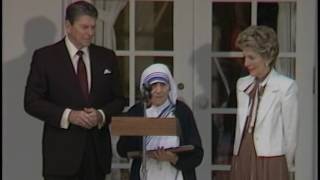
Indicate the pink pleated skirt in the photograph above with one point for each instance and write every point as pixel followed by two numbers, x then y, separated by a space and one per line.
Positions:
pixel 248 166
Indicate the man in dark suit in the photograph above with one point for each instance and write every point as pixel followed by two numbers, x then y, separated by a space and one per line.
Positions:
pixel 75 94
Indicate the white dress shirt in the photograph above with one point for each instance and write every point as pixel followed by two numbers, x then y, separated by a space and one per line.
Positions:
pixel 72 50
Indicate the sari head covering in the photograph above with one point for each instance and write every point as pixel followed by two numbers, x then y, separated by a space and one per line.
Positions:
pixel 159 73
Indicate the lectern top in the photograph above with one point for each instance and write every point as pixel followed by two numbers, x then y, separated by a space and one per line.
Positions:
pixel 142 126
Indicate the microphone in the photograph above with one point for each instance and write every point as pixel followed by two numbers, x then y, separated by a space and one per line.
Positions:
pixel 146 92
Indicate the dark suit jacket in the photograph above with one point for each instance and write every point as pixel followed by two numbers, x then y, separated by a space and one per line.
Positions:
pixel 52 86
pixel 189 135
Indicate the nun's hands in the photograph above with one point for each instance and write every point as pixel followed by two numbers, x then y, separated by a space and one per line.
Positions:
pixel 162 155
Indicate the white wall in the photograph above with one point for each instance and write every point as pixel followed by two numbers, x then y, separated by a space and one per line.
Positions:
pixel 26 25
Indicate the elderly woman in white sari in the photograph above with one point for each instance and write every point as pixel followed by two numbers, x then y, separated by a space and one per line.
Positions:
pixel 163 164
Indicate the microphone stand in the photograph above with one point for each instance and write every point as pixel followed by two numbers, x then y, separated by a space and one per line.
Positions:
pixel 146 95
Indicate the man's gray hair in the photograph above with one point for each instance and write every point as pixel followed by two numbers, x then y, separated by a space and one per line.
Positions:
pixel 80 8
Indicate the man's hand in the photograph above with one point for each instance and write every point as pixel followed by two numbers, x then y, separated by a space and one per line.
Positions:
pixel 81 118
pixel 94 115
pixel 88 118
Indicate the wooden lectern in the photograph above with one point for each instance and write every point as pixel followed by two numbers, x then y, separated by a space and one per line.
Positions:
pixel 142 126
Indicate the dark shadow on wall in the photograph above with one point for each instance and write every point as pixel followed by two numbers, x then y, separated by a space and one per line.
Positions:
pixel 201 99
pixel 212 86
pixel 21 133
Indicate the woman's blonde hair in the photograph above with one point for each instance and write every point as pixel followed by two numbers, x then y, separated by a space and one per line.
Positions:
pixel 261 39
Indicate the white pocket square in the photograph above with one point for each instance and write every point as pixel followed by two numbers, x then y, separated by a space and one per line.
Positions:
pixel 106 71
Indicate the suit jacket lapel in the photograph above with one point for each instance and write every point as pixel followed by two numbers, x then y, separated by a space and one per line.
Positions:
pixel 243 110
pixel 244 99
pixel 93 65
pixel 268 97
pixel 65 56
